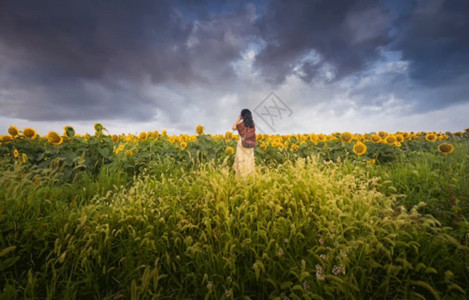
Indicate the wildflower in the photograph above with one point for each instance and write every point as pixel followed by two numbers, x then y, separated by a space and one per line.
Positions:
pixel 229 150
pixel 54 138
pixel 323 256
pixel 346 137
pixel 280 252
pixel 359 148
pixel 446 149
pixel 30 133
pixel 337 270
pixel 321 241
pixel 430 137
pixel 183 145
pixel 24 158
pixel 13 130
pixel 209 285
pixel 306 286
pixel 98 127
pixel 16 153
pixel 69 131
pixel 228 293
pixel 319 273
pixel 199 129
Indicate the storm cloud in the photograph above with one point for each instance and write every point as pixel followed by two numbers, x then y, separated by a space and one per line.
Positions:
pixel 163 60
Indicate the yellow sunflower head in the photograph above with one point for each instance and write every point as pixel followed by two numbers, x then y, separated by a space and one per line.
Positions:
pixel 228 135
pixel 229 150
pixel 346 137
pixel 390 139
pixel 397 144
pixel 446 148
pixel 164 132
pixel 430 137
pixel 98 127
pixel 359 148
pixel 6 138
pixel 24 158
pixel 199 129
pixel 16 153
pixel 30 133
pixel 54 138
pixel 115 138
pixel 183 145
pixel 382 134
pixel 13 130
pixel 69 131
pixel 294 148
pixel 263 146
pixel 399 137
pixel 128 153
pixel 143 136
pixel 375 138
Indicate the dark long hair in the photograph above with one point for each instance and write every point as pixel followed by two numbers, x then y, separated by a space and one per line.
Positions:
pixel 247 118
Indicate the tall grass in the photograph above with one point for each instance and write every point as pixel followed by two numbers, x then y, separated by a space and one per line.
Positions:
pixel 304 230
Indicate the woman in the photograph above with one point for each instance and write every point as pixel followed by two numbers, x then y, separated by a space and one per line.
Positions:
pixel 244 160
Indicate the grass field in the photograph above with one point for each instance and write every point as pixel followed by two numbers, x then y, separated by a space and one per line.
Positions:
pixel 155 216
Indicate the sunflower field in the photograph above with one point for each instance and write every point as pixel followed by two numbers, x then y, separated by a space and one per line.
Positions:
pixel 156 216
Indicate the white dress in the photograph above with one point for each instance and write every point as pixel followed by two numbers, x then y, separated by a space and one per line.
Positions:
pixel 244 163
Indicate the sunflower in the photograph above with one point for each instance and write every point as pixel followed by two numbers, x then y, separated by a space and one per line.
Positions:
pixel 24 158
pixel 263 146
pixel 399 137
pixel 359 148
pixel 466 130
pixel 199 129
pixel 69 131
pixel 228 135
pixel 382 134
pixel 430 137
pixel 30 133
pixel 346 137
pixel 375 138
pixel 183 146
pixel 98 127
pixel 115 138
pixel 16 153
pixel 143 136
pixel 164 132
pixel 446 148
pixel 54 138
pixel 443 137
pixel 229 150
pixel 121 147
pixel 397 144
pixel 13 130
pixel 128 153
pixel 5 138
pixel 294 148
pixel 390 139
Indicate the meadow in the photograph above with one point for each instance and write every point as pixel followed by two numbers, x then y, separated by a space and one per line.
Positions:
pixel 156 216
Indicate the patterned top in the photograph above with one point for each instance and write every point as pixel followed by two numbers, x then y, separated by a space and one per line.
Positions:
pixel 250 132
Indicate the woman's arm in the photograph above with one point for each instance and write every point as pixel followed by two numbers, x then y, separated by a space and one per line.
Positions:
pixel 236 123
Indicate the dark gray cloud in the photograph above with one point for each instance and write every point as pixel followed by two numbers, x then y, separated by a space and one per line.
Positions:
pixel 345 34
pixel 88 60
pixel 97 55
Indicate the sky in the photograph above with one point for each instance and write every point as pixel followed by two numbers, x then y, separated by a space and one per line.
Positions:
pixel 300 66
